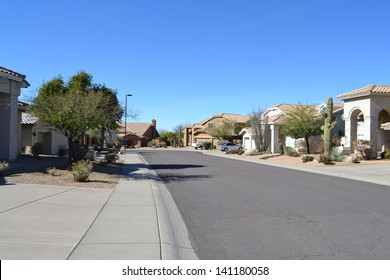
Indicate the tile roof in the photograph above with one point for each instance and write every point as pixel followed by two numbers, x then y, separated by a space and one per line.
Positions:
pixel 232 117
pixel 135 128
pixel 28 118
pixel 18 76
pixel 383 90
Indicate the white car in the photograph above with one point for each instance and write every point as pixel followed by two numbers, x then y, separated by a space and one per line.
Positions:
pixel 230 146
pixel 198 145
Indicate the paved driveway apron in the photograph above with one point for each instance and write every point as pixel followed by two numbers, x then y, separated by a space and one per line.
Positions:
pixel 45 222
pixel 242 210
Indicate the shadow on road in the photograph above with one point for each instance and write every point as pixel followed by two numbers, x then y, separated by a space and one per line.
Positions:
pixel 165 172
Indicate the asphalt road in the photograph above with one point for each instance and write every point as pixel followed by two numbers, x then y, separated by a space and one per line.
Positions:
pixel 243 210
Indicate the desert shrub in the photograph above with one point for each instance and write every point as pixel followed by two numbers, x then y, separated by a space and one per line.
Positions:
pixel 51 171
pixel 307 159
pixel 62 150
pixel 291 152
pixel 81 170
pixel 337 155
pixel 3 167
pixel 385 155
pixel 110 158
pixel 37 149
pixel 151 144
pixel 325 160
pixel 206 145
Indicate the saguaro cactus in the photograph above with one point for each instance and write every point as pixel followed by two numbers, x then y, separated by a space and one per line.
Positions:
pixel 329 124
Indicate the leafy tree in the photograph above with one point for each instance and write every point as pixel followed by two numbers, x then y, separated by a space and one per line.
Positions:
pixel 179 132
pixel 170 136
pixel 224 131
pixel 303 121
pixel 76 106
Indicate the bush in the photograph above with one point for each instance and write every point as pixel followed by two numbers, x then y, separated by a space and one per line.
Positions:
pixel 3 167
pixel 62 150
pixel 206 145
pixel 385 155
pixel 307 159
pixel 291 152
pixel 325 160
pixel 151 144
pixel 51 171
pixel 81 170
pixel 337 155
pixel 37 149
pixel 110 158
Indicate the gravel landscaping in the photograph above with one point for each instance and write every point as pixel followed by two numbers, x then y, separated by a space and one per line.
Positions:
pixel 32 170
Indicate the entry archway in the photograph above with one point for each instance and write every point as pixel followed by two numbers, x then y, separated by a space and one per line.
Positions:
pixel 357 126
pixel 384 139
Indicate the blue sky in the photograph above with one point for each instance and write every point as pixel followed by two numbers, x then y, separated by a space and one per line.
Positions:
pixel 186 60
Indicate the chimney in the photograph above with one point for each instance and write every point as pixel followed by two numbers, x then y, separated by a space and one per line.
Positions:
pixel 154 132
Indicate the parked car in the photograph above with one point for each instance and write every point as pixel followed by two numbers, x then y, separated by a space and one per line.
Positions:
pixel 230 146
pixel 198 145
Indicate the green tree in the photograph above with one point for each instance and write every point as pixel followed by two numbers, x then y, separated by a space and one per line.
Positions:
pixel 75 107
pixel 179 132
pixel 303 121
pixel 170 136
pixel 223 131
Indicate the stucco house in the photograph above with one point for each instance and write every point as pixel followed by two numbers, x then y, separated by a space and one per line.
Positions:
pixel 198 132
pixel 138 134
pixel 275 117
pixel 366 114
pixel 32 132
pixel 11 84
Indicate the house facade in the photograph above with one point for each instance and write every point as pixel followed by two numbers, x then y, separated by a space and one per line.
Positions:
pixel 11 84
pixel 198 132
pixel 33 132
pixel 275 117
pixel 138 134
pixel 366 113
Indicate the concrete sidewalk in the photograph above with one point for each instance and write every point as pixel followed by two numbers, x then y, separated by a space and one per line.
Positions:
pixel 139 221
pixel 136 220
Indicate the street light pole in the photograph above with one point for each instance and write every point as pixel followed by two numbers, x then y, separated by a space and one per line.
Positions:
pixel 126 119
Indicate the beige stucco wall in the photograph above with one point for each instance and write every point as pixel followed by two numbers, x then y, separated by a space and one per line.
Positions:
pixel 370 106
pixel 9 92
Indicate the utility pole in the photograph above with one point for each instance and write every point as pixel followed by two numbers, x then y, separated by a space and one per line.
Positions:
pixel 126 119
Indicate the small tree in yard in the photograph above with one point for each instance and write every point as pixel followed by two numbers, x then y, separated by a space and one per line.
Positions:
pixel 76 106
pixel 261 130
pixel 224 131
pixel 303 121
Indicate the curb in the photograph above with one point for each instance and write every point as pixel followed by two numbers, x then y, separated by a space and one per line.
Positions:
pixel 175 240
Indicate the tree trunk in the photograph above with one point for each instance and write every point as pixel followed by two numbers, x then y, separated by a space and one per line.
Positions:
pixel 307 145
pixel 70 152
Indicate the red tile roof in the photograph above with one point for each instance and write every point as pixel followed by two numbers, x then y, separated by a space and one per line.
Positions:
pixel 383 90
pixel 17 75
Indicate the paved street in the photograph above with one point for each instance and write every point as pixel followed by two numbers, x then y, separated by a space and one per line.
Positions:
pixel 243 210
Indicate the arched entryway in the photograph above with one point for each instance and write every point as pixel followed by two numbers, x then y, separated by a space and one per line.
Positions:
pixel 384 139
pixel 357 126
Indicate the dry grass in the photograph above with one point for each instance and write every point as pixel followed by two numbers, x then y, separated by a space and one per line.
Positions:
pixel 30 170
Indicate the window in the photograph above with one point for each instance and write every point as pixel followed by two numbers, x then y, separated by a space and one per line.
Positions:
pixel 210 125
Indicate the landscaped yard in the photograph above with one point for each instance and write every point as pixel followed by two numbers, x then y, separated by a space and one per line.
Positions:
pixel 32 170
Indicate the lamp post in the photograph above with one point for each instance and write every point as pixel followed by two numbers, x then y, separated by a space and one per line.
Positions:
pixel 126 119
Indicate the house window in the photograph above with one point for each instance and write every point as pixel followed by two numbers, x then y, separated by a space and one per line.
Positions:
pixel 210 125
